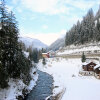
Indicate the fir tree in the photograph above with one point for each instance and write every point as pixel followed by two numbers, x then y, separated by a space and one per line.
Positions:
pixel 34 55
pixel 83 58
pixel 44 61
pixel 3 45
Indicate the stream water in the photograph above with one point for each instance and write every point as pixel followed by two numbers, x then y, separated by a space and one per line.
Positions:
pixel 43 88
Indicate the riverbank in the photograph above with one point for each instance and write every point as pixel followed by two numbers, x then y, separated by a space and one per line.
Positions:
pixel 17 89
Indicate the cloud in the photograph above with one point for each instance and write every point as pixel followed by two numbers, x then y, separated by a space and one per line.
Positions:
pixel 45 27
pixel 46 38
pixel 46 6
pixel 15 1
pixel 19 9
pixel 57 6
pixel 81 4
pixel 70 20
pixel 33 17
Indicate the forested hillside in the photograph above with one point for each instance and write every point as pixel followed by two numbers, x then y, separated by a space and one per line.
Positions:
pixel 57 44
pixel 88 30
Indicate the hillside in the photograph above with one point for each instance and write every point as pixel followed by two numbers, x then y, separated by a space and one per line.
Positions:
pixel 57 44
pixel 35 43
pixel 90 50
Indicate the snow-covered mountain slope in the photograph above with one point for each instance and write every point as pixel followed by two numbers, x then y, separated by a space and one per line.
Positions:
pixel 35 43
pixel 88 48
pixel 57 44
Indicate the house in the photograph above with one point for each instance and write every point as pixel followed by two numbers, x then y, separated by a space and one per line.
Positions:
pixel 90 69
pixel 87 69
pixel 52 54
pixel 97 71
pixel 45 55
pixel 88 66
pixel 84 66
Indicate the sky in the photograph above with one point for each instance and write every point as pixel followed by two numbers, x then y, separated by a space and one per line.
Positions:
pixel 48 20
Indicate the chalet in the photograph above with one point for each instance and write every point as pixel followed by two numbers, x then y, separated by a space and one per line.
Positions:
pixel 90 69
pixel 52 54
pixel 88 66
pixel 97 71
pixel 87 69
pixel 84 66
pixel 45 55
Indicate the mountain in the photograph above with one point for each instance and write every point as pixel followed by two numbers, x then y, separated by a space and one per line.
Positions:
pixel 35 43
pixel 57 44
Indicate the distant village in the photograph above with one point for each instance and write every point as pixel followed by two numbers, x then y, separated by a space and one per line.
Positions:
pixel 49 54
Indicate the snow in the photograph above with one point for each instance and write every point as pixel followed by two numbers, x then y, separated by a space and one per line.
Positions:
pixel 34 43
pixel 97 66
pixel 26 54
pixel 84 63
pixel 44 53
pixel 79 49
pixel 14 89
pixel 16 86
pixel 66 76
pixel 34 79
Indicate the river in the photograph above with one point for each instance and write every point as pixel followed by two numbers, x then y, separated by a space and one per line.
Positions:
pixel 43 88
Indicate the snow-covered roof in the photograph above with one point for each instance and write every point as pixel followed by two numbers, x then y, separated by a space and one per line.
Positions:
pixel 44 53
pixel 85 63
pixel 97 66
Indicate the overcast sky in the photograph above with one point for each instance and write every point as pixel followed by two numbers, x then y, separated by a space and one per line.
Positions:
pixel 48 20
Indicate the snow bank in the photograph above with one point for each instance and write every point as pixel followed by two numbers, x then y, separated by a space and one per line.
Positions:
pixel 16 86
pixel 26 54
pixel 34 79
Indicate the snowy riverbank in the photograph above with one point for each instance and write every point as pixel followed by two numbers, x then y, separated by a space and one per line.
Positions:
pixel 16 87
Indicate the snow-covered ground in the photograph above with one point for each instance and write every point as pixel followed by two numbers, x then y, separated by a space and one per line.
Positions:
pixel 66 76
pixel 16 86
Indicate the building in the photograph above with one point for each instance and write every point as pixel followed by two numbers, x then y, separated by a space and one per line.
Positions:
pixel 87 69
pixel 45 55
pixel 88 66
pixel 52 54
pixel 97 71
pixel 90 69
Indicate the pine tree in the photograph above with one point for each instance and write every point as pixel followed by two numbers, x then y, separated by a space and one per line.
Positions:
pixel 44 61
pixel 3 45
pixel 40 54
pixel 34 55
pixel 83 58
pixel 85 31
